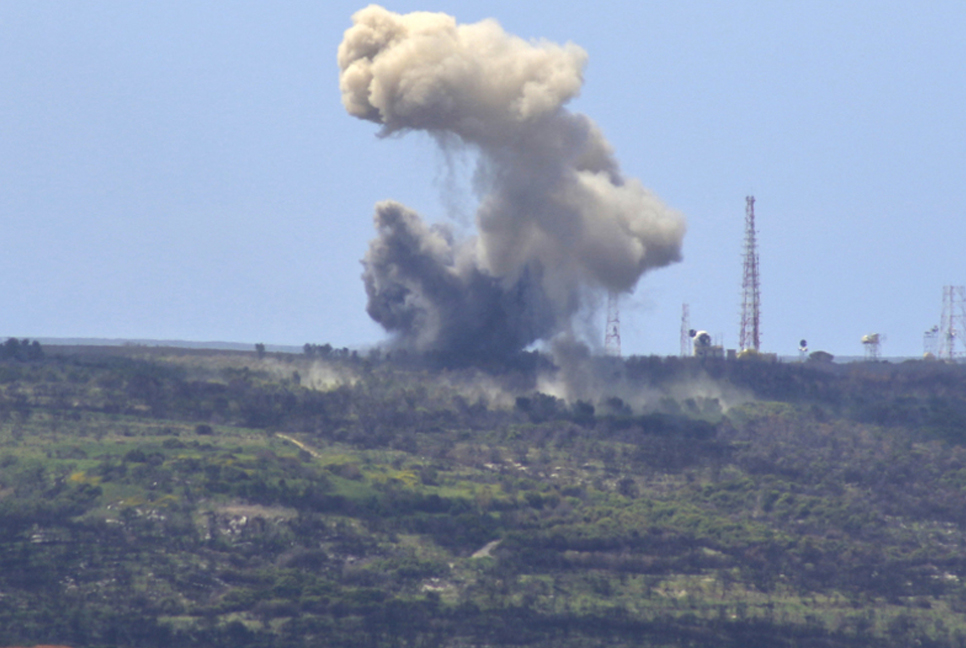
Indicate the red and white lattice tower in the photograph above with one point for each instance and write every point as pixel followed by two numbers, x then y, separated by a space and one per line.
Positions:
pixel 952 326
pixel 750 335
pixel 612 332
pixel 686 341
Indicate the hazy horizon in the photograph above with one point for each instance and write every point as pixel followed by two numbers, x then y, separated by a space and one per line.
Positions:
pixel 185 171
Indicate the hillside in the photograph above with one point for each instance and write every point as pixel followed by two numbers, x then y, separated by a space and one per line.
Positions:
pixel 157 497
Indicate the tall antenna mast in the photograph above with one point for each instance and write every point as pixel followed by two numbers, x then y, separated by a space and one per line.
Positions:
pixel 952 326
pixel 686 349
pixel 612 333
pixel 750 334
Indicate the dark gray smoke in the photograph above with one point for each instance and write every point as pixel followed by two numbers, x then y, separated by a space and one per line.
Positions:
pixel 556 221
pixel 418 286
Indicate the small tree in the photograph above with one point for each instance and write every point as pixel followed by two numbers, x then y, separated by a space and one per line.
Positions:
pixel 14 349
pixel 260 350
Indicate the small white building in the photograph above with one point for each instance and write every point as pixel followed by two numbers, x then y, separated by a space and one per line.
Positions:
pixel 704 347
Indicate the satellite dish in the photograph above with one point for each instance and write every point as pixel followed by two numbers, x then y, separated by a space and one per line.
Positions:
pixel 802 344
pixel 692 333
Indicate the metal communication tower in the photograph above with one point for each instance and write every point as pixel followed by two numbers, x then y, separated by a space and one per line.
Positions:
pixel 686 348
pixel 872 342
pixel 750 335
pixel 930 342
pixel 612 332
pixel 952 326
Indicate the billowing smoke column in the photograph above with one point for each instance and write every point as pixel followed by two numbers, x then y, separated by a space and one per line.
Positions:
pixel 556 219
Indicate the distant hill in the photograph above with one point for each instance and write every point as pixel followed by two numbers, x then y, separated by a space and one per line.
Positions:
pixel 192 498
pixel 282 348
pixel 181 344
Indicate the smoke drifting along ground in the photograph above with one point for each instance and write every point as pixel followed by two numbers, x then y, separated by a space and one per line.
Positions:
pixel 556 221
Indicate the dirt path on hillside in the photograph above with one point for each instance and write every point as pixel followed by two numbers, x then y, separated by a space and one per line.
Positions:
pixel 298 443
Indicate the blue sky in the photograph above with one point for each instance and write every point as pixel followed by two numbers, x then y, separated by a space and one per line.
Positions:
pixel 183 170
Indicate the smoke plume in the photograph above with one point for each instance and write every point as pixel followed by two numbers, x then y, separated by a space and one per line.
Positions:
pixel 557 221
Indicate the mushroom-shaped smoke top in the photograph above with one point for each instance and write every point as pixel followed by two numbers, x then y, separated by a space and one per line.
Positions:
pixel 556 218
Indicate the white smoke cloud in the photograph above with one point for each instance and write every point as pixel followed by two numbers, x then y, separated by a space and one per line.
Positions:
pixel 556 217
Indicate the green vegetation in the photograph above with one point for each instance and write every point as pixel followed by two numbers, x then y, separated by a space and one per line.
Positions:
pixel 165 498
